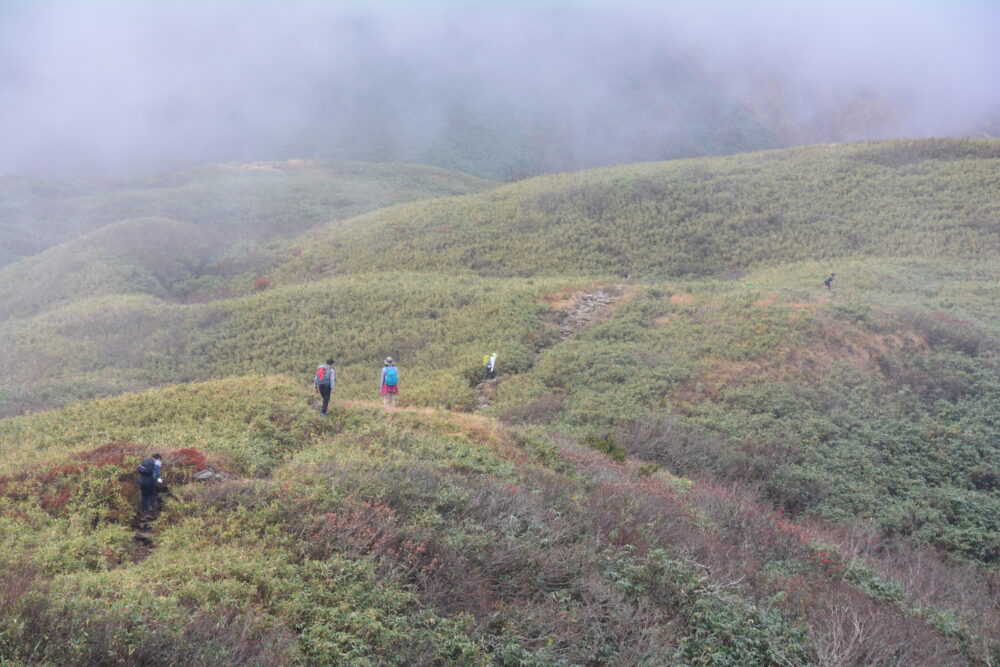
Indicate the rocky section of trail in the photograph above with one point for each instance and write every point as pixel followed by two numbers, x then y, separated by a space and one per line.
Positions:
pixel 142 523
pixel 588 309
pixel 579 311
pixel 486 393
pixel 210 474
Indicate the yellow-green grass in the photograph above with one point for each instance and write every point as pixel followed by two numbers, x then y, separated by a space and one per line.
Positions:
pixel 921 199
pixel 917 199
pixel 238 200
pixel 394 536
pixel 875 400
pixel 234 417
pixel 833 399
pixel 437 327
pixel 339 608
pixel 143 256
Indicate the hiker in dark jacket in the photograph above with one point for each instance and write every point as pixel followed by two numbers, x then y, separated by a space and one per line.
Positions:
pixel 149 477
pixel 324 383
pixel 829 281
pixel 389 386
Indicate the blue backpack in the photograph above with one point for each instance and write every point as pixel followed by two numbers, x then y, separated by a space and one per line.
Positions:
pixel 391 376
pixel 146 467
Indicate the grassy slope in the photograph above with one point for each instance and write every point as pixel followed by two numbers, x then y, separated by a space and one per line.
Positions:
pixel 873 406
pixel 439 325
pixel 419 536
pixel 875 402
pixel 143 256
pixel 878 401
pixel 744 366
pixel 227 205
pixel 701 217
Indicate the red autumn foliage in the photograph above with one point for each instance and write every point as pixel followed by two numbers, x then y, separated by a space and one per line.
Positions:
pixel 111 454
pixel 261 284
pixel 55 502
pixel 54 486
pixel 731 531
pixel 188 457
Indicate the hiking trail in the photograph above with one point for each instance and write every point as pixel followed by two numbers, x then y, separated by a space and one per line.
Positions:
pixel 580 312
pixel 142 522
pixel 588 309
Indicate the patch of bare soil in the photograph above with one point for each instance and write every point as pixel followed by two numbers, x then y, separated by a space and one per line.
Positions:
pixel 588 309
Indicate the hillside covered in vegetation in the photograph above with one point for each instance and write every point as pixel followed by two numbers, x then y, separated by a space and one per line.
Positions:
pixel 921 199
pixel 235 202
pixel 695 453
pixel 423 537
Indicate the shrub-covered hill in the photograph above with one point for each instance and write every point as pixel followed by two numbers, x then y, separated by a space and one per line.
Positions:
pixel 424 537
pixel 876 400
pixel 932 198
pixel 240 201
pixel 701 217
pixel 438 326
pixel 153 256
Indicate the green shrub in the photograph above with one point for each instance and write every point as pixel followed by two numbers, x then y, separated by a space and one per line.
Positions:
pixel 606 444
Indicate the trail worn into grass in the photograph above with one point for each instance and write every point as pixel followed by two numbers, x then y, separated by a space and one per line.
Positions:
pixel 588 309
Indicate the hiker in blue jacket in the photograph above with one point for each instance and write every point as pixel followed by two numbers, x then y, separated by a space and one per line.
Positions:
pixel 389 384
pixel 324 383
pixel 149 477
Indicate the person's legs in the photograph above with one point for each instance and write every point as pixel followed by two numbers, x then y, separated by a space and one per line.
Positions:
pixel 324 391
pixel 148 489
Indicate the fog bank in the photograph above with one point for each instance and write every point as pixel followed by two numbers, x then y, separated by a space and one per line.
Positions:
pixel 497 88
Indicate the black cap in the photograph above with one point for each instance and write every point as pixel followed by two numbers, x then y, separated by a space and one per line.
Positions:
pixel 329 361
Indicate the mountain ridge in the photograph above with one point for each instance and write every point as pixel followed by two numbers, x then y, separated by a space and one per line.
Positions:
pixel 724 461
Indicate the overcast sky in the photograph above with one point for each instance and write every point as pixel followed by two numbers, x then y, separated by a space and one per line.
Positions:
pixel 113 88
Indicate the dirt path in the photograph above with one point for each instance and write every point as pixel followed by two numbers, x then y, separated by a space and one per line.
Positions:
pixel 581 311
pixel 142 531
pixel 588 309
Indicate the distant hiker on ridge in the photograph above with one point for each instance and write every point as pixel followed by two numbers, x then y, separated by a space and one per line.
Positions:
pixel 149 477
pixel 489 366
pixel 324 383
pixel 390 383
pixel 829 281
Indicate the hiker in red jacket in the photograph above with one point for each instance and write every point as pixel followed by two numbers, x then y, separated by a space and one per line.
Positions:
pixel 324 383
